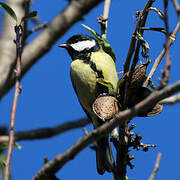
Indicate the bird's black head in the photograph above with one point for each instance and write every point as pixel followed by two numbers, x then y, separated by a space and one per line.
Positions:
pixel 80 45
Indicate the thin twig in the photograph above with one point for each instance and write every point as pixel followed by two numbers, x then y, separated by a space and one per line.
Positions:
pixel 140 23
pixel 177 7
pixel 26 5
pixel 166 71
pixel 7 48
pixel 106 16
pixel 47 132
pixel 103 20
pixel 120 118
pixel 138 35
pixel 161 55
pixel 161 15
pixel 154 29
pixel 156 167
pixel 38 27
pixel 18 30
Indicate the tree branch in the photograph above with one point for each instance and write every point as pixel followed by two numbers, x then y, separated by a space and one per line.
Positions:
pixel 154 29
pixel 18 42
pixel 172 38
pixel 166 71
pixel 137 35
pixel 103 20
pixel 47 38
pixel 120 118
pixel 156 167
pixel 36 28
pixel 139 24
pixel 177 7
pixel 171 100
pixel 7 47
pixel 42 133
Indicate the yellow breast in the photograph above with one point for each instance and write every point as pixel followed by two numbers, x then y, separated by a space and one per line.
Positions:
pixel 84 78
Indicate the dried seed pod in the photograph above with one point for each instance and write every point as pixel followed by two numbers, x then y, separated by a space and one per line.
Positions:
pixel 137 80
pixel 138 76
pixel 135 95
pixel 105 107
pixel 155 110
pixel 138 94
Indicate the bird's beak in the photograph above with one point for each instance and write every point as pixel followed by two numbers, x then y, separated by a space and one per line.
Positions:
pixel 64 45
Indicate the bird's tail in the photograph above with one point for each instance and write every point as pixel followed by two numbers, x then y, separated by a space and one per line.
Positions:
pixel 104 156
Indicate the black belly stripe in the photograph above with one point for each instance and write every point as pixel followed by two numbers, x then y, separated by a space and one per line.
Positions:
pixel 101 89
pixel 87 60
pixel 94 68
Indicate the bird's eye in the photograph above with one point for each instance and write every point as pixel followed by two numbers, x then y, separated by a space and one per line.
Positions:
pixel 82 45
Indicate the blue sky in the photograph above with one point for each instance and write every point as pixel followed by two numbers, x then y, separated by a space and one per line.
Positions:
pixel 48 99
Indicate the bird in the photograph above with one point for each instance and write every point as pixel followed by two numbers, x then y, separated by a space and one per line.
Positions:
pixel 90 63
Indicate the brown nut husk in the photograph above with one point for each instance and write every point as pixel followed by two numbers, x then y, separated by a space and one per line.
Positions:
pixel 138 94
pixel 138 75
pixel 105 107
pixel 137 80
pixel 155 110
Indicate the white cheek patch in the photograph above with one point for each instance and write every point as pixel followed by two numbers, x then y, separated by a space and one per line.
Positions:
pixel 80 46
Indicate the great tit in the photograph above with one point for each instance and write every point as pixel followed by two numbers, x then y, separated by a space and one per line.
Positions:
pixel 89 63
